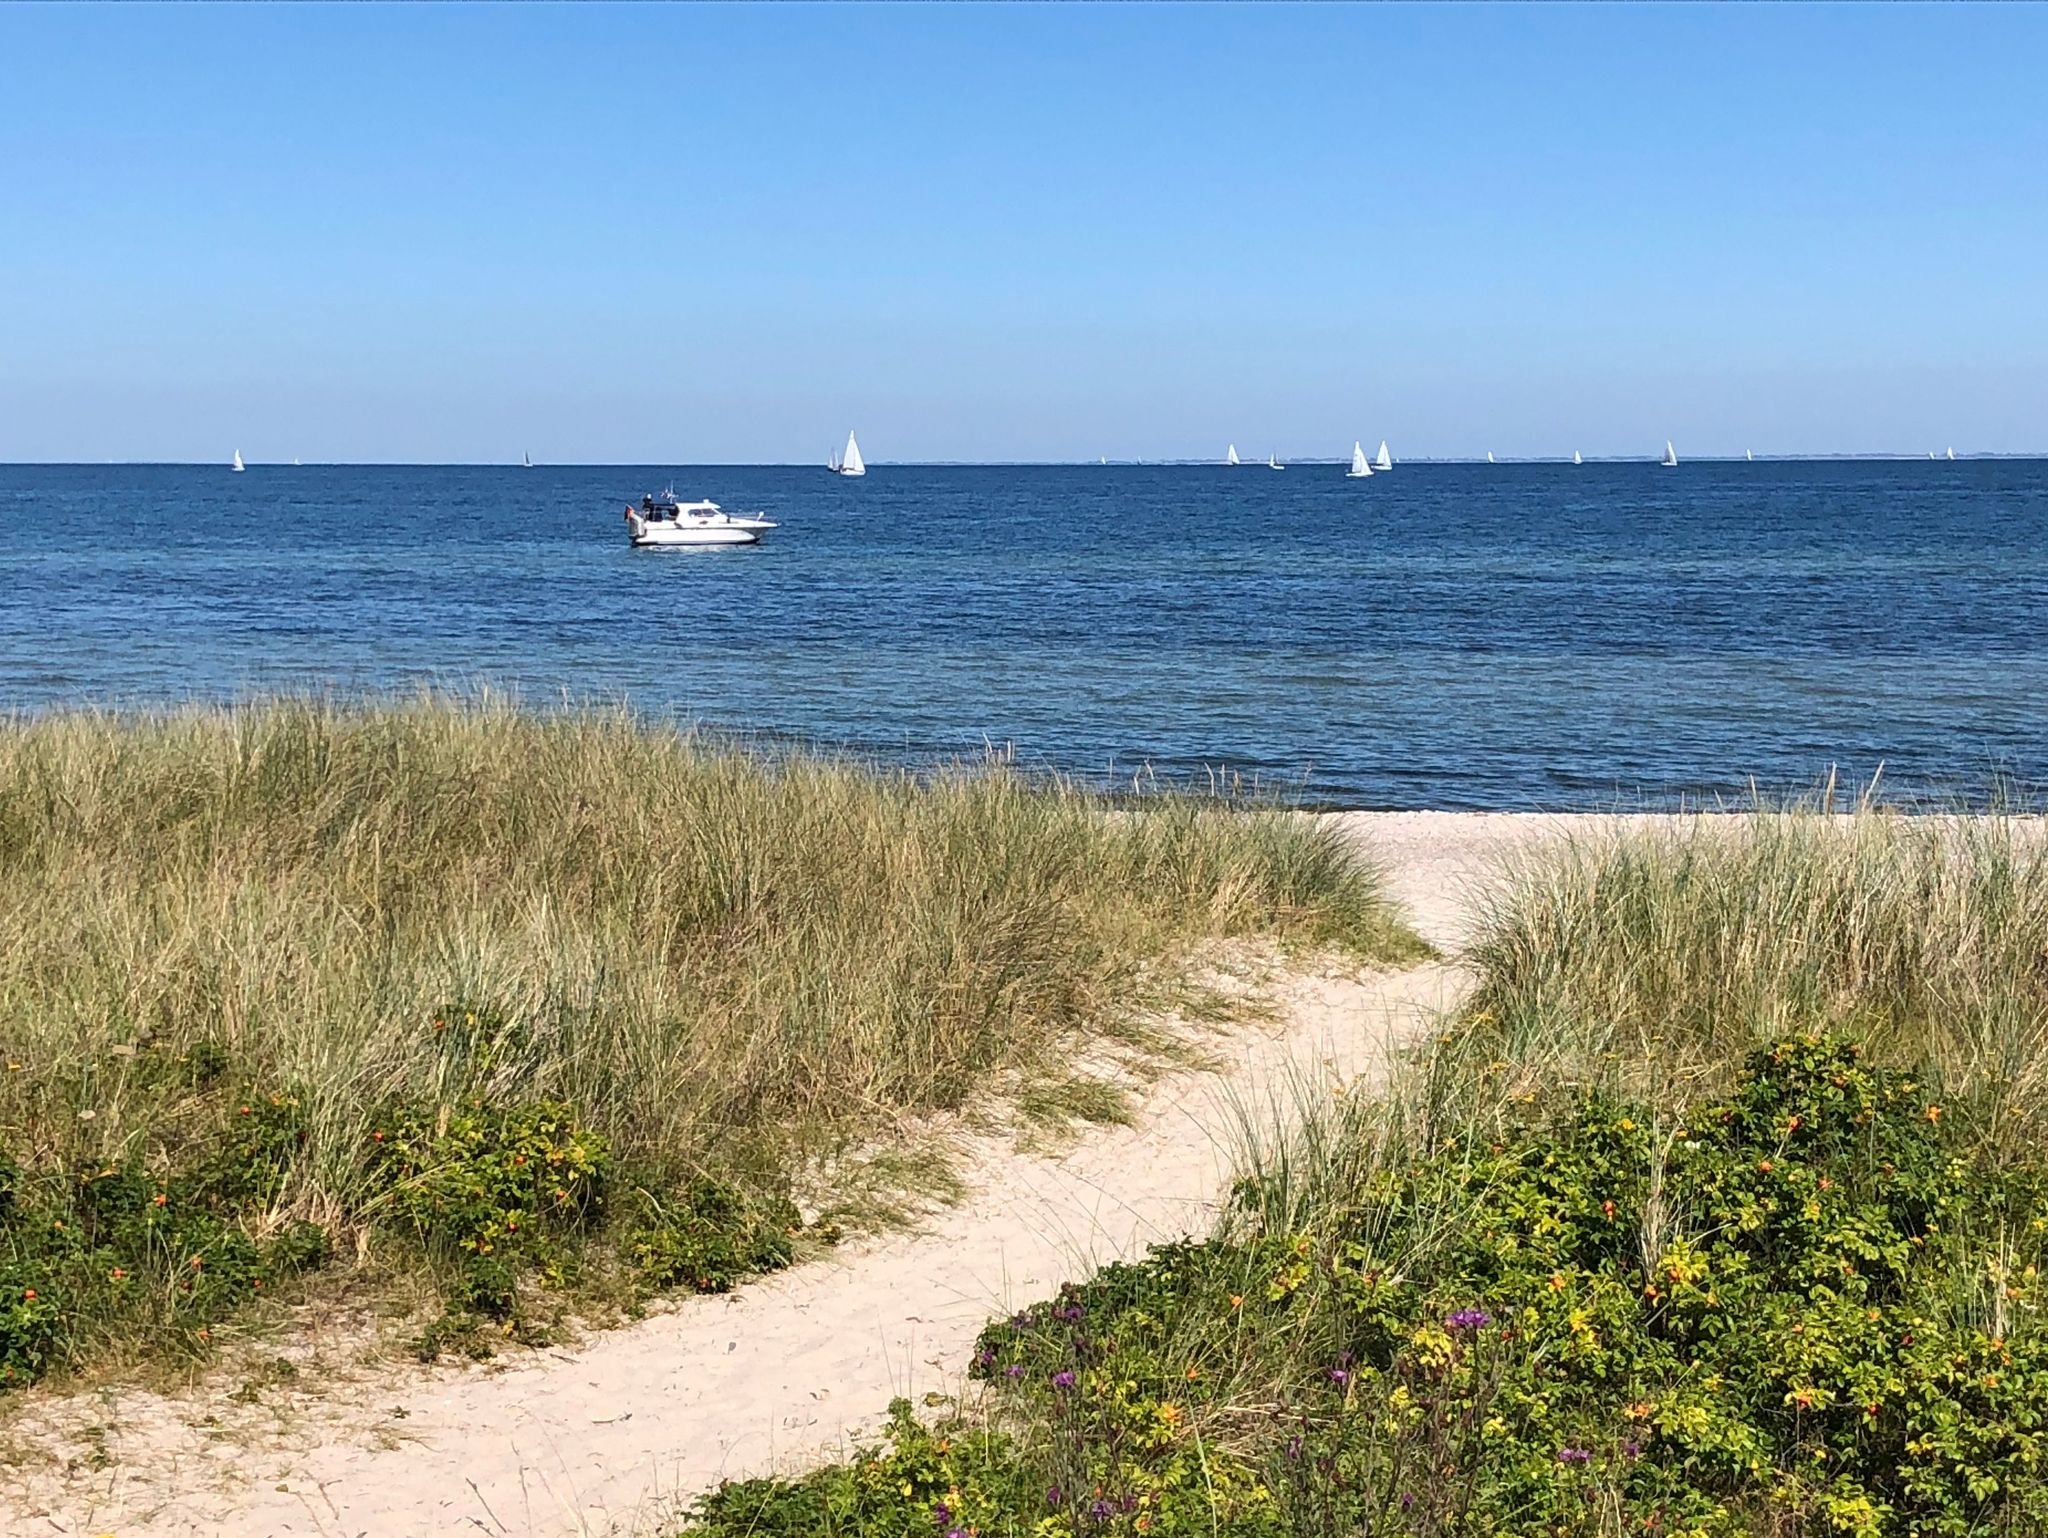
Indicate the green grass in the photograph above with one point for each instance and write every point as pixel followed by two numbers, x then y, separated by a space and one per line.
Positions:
pixel 518 998
pixel 1734 1148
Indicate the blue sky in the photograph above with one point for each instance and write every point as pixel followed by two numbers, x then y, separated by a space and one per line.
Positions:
pixel 698 234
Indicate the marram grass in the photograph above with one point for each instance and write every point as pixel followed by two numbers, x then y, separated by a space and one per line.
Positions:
pixel 471 930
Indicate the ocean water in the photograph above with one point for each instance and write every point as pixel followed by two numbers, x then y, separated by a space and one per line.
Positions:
pixel 1439 636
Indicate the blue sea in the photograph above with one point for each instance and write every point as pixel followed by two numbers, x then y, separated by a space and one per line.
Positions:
pixel 1443 635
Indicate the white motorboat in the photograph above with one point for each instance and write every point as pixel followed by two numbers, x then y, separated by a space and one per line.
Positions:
pixel 1359 466
pixel 1670 456
pixel 663 520
pixel 1384 460
pixel 238 460
pixel 849 463
pixel 1230 456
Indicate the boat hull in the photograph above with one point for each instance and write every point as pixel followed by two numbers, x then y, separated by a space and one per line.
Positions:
pixel 658 538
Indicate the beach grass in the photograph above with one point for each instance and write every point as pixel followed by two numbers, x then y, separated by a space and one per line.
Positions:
pixel 1719 1209
pixel 355 973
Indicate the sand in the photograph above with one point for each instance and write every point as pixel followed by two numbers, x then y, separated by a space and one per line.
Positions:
pixel 603 1438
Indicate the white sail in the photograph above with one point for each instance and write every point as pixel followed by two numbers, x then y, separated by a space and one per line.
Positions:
pixel 1951 453
pixel 1273 462
pixel 1358 461
pixel 850 463
pixel 1748 455
pixel 1576 459
pixel 1489 456
pixel 1230 457
pixel 238 459
pixel 1384 460
pixel 1670 455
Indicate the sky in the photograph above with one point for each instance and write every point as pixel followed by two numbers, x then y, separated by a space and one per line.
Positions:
pixel 707 235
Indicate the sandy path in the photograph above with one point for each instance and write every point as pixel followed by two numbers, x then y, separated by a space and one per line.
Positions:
pixel 592 1441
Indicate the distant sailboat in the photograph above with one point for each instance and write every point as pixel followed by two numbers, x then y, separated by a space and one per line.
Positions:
pixel 1104 460
pixel 1385 461
pixel 238 460
pixel 1359 467
pixel 1273 462
pixel 1951 453
pixel 1746 454
pixel 527 460
pixel 1230 458
pixel 1489 456
pixel 1670 456
pixel 849 463
pixel 295 461
pixel 1576 459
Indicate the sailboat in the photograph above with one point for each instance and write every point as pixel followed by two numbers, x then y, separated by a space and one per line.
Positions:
pixel 238 460
pixel 1951 453
pixel 295 462
pixel 1746 454
pixel 1489 456
pixel 849 463
pixel 1358 465
pixel 1230 457
pixel 1273 462
pixel 1670 456
pixel 1384 461
pixel 527 460
pixel 1576 459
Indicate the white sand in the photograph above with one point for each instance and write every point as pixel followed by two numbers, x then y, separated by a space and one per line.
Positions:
pixel 597 1439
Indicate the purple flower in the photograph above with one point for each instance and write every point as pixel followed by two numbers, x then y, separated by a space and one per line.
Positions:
pixel 1073 1313
pixel 1014 1370
pixel 1020 1321
pixel 1101 1511
pixel 956 1532
pixel 984 1358
pixel 1053 1497
pixel 1633 1449
pixel 1407 1499
pixel 1294 1450
pixel 1470 1319
pixel 942 1513
pixel 1573 1455
pixel 1339 1375
pixel 1062 1380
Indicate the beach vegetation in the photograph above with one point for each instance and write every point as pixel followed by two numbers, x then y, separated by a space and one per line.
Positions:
pixel 538 1011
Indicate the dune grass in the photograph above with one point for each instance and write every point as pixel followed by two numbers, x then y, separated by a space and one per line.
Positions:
pixel 1654 959
pixel 1720 1210
pixel 444 980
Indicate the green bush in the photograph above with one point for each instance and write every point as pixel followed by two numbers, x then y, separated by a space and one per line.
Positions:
pixel 1801 1310
pixel 167 1254
pixel 711 1237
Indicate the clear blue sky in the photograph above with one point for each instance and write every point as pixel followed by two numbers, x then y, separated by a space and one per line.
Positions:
pixel 688 234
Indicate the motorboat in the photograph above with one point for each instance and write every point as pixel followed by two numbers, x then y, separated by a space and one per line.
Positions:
pixel 663 520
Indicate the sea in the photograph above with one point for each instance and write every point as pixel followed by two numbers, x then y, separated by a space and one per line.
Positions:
pixel 1523 636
